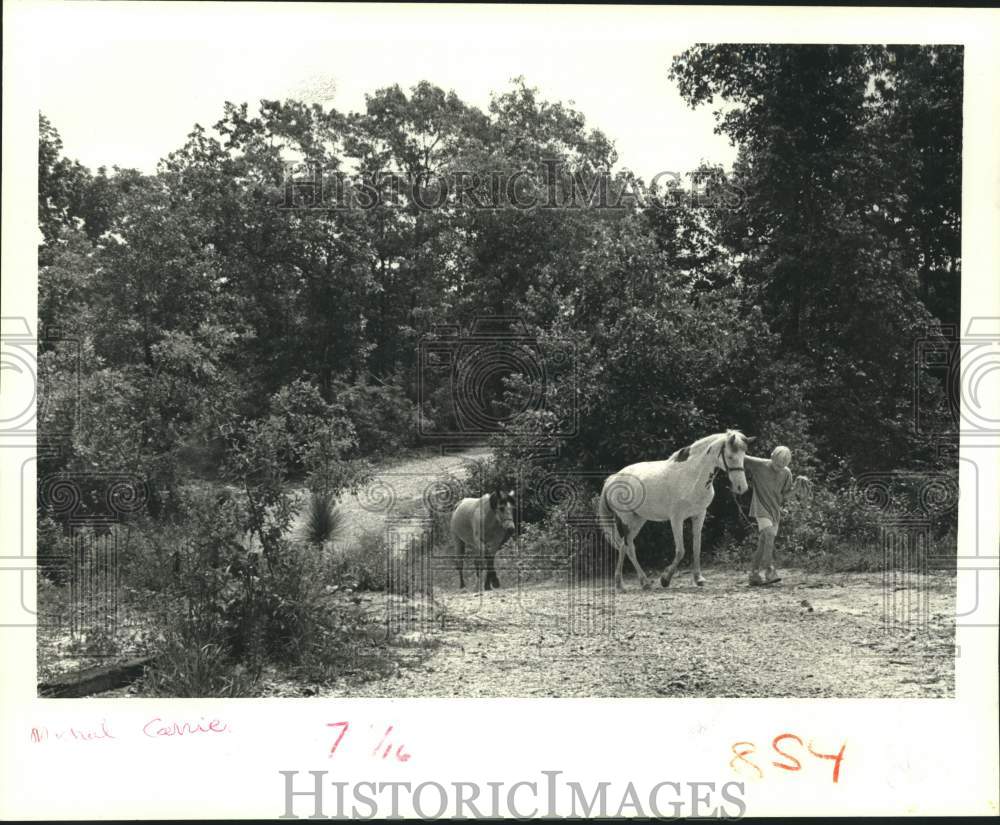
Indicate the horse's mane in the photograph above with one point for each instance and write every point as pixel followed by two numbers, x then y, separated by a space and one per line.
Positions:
pixel 737 433
pixel 710 441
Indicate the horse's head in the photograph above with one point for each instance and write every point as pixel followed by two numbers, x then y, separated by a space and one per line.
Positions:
pixel 502 503
pixel 734 449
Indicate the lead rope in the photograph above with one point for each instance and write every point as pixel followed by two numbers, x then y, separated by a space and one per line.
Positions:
pixel 739 508
pixel 732 492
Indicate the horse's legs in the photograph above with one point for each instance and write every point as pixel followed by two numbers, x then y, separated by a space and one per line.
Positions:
pixel 484 564
pixel 460 561
pixel 491 572
pixel 619 565
pixel 696 525
pixel 619 536
pixel 627 525
pixel 478 554
pixel 629 548
pixel 677 525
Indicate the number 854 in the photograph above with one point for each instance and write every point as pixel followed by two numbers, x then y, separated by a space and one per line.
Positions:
pixel 786 761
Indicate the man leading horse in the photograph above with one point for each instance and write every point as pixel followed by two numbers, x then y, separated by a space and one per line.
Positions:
pixel 681 488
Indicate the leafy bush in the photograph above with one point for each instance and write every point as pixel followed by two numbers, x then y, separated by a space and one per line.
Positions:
pixel 831 520
pixel 244 592
pixel 384 419
pixel 230 611
pixel 314 625
pixel 300 435
pixel 297 620
pixel 54 550
pixel 362 564
pixel 837 530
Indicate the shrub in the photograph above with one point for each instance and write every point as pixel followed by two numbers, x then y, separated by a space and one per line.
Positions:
pixel 832 520
pixel 228 612
pixel 148 556
pixel 362 564
pixel 384 419
pixel 306 423
pixel 313 622
pixel 54 550
pixel 292 603
pixel 484 475
pixel 301 435
pixel 189 667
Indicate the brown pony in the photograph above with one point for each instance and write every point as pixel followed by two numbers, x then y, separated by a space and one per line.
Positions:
pixel 482 524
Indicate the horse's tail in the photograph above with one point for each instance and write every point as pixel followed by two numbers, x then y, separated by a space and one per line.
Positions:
pixel 608 518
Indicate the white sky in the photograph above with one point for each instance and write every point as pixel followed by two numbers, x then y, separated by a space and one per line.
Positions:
pixel 124 83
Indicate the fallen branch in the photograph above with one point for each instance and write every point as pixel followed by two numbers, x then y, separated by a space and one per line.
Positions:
pixel 94 680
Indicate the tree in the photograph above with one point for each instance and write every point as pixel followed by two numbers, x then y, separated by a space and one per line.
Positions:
pixel 841 229
pixel 68 194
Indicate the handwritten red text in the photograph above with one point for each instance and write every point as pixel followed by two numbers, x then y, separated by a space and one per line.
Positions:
pixel 784 745
pixel 384 747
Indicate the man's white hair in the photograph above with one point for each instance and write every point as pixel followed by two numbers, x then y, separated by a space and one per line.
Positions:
pixel 782 455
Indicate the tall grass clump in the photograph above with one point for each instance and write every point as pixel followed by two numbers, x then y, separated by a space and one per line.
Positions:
pixel 324 520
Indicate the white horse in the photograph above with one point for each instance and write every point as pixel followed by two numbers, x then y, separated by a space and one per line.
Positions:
pixel 673 490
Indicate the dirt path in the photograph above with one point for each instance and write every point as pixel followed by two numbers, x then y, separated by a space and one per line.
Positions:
pixel 812 635
pixel 724 640
pixel 403 486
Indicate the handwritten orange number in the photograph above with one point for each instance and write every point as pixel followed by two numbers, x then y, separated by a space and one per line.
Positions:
pixel 837 758
pixel 742 756
pixel 798 765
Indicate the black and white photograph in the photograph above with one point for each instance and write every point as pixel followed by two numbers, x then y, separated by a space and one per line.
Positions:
pixel 380 356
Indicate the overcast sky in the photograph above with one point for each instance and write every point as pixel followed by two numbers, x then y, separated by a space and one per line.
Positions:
pixel 125 83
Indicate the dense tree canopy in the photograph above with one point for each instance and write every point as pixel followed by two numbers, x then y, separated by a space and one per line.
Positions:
pixel 849 232
pixel 784 298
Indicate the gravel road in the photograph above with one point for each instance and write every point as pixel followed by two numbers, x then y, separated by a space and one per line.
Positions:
pixel 812 635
